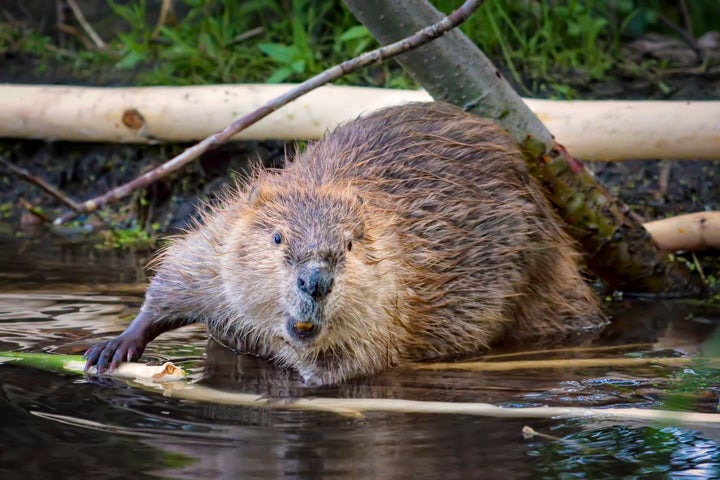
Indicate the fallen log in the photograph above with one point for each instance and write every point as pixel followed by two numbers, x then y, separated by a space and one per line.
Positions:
pixel 692 231
pixel 592 130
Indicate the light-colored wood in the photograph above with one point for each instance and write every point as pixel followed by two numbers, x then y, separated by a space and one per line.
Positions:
pixel 591 130
pixel 358 407
pixel 692 231
pixel 567 364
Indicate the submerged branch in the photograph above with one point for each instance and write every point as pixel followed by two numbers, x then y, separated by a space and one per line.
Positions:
pixel 170 381
pixel 358 406
pixel 570 363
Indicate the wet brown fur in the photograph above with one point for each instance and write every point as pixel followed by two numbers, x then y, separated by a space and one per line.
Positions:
pixel 452 248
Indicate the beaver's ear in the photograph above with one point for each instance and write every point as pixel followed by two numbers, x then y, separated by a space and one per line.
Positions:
pixel 359 231
pixel 253 195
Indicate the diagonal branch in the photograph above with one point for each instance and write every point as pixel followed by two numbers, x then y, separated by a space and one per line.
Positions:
pixel 422 37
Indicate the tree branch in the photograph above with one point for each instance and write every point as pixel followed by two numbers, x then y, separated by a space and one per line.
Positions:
pixel 422 37
pixel 25 175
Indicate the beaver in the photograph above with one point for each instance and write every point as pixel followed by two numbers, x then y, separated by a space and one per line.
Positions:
pixel 412 233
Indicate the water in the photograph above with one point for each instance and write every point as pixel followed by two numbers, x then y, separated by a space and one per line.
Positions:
pixel 61 298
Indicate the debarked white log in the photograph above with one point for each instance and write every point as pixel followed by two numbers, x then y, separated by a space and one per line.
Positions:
pixel 591 130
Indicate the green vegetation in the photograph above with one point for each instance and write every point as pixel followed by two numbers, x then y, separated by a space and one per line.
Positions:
pixel 571 42
pixel 698 383
pixel 556 44
pixel 18 38
pixel 225 42
pixel 133 238
pixel 550 48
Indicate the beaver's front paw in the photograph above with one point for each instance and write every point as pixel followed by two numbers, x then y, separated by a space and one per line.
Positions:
pixel 108 355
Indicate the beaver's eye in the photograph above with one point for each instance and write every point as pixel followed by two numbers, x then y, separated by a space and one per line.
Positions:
pixel 349 245
pixel 277 239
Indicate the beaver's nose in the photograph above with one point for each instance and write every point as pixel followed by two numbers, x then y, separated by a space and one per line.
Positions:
pixel 315 281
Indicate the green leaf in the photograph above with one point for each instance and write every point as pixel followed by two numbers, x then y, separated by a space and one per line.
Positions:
pixel 130 60
pixel 298 66
pixel 279 53
pixel 279 75
pixel 354 33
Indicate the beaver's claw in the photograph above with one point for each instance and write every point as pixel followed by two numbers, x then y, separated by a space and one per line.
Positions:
pixel 108 355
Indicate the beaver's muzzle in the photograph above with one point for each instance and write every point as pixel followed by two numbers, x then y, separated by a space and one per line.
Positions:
pixel 315 279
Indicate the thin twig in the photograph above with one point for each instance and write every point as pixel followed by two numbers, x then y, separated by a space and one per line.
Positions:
pixel 529 432
pixel 165 10
pixel 685 35
pixel 25 175
pixel 245 35
pixel 686 18
pixel 33 210
pixel 663 180
pixel 333 73
pixel 698 266
pixel 77 33
pixel 85 25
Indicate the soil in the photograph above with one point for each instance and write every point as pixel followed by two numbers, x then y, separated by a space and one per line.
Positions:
pixel 85 170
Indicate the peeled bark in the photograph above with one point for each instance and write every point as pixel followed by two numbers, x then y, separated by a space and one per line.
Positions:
pixel 452 69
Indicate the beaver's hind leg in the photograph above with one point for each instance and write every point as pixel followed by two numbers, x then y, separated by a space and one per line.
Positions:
pixel 558 305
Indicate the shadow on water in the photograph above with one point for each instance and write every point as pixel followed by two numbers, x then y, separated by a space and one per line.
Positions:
pixel 62 298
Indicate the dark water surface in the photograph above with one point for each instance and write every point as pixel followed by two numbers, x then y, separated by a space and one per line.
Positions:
pixel 62 298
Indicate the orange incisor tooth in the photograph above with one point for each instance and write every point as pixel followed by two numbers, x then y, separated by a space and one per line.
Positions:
pixel 303 326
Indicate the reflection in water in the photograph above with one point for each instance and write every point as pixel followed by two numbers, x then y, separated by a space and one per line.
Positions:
pixel 634 452
pixel 46 320
pixel 38 263
pixel 65 426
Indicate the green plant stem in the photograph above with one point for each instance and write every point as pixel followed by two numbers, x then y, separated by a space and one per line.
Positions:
pixel 75 364
pixel 45 361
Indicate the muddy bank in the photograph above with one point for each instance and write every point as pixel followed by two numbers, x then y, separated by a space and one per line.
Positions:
pixel 653 188
pixel 83 171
